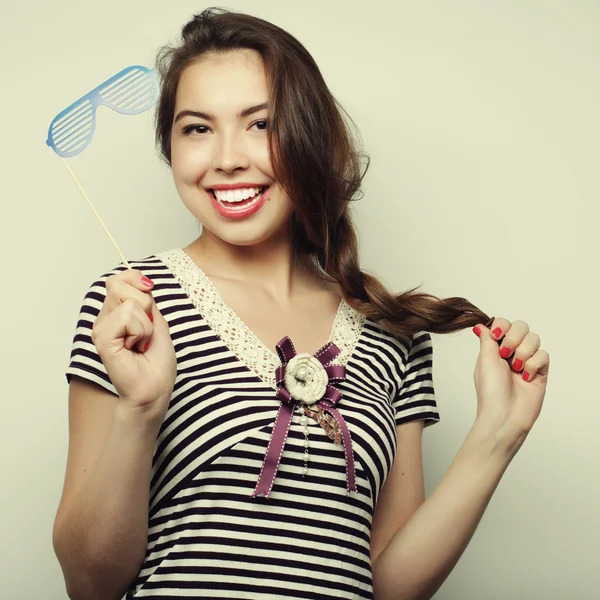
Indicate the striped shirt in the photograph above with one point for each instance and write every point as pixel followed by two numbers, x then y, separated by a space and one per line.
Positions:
pixel 208 537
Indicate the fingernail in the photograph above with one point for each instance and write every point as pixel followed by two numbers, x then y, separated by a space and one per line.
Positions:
pixel 146 346
pixel 477 331
pixel 151 317
pixel 518 364
pixel 147 282
pixel 497 332
pixel 526 376
pixel 505 352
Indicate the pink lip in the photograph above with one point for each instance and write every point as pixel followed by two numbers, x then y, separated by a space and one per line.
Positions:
pixel 239 213
pixel 235 186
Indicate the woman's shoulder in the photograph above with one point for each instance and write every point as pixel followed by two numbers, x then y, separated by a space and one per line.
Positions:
pixel 158 263
pixel 154 266
pixel 402 346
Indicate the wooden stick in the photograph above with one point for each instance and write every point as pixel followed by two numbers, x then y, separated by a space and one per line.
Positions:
pixel 96 213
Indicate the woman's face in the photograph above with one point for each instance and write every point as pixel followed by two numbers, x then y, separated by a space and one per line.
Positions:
pixel 219 139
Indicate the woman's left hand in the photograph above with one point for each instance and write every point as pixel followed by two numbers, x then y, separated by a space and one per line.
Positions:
pixel 510 393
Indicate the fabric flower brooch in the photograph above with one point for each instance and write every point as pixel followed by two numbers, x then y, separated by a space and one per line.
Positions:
pixel 306 380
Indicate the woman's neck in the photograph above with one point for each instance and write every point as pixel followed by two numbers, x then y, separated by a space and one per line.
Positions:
pixel 270 265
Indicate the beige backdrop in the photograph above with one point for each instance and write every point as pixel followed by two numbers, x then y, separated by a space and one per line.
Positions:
pixel 482 121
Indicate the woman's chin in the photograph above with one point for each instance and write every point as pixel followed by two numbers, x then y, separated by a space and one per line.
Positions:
pixel 268 223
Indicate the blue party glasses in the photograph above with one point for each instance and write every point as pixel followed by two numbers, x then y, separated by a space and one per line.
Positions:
pixel 130 92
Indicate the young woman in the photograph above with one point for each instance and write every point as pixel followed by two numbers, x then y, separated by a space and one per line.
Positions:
pixel 246 412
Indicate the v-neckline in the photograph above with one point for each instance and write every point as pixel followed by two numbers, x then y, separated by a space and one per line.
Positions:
pixel 235 317
pixel 234 332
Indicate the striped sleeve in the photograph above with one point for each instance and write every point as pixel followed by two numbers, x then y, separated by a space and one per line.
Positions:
pixel 85 361
pixel 416 398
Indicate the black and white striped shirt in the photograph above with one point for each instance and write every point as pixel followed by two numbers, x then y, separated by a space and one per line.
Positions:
pixel 208 538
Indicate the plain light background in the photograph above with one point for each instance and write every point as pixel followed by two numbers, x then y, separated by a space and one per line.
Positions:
pixel 482 122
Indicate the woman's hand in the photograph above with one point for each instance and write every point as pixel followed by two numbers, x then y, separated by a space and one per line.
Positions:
pixel 134 343
pixel 510 393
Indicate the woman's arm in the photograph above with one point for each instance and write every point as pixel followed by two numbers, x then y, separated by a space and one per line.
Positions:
pixel 421 555
pixel 404 488
pixel 101 528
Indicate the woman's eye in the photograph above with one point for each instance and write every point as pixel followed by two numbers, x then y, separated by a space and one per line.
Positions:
pixel 199 129
pixel 263 124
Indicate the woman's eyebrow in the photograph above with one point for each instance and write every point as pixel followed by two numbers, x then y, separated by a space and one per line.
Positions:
pixel 208 117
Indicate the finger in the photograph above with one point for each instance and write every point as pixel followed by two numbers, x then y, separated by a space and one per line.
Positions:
pixel 538 365
pixel 124 286
pixel 499 327
pixel 133 277
pixel 128 323
pixel 134 334
pixel 130 278
pixel 513 338
pixel 525 350
pixel 488 345
pixel 140 339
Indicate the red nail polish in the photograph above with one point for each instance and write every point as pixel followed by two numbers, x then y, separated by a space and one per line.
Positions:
pixel 497 332
pixel 147 282
pixel 146 346
pixel 151 317
pixel 526 376
pixel 518 364
pixel 505 352
pixel 477 331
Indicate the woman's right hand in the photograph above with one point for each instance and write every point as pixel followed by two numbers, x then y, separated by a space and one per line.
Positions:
pixel 134 343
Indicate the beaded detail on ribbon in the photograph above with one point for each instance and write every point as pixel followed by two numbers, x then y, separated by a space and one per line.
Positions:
pixel 304 423
pixel 328 423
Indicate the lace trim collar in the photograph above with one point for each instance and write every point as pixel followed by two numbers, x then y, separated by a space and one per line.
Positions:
pixel 225 323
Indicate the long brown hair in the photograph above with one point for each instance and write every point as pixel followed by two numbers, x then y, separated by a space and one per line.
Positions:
pixel 317 163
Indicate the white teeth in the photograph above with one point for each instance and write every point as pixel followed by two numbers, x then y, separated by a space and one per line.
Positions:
pixel 236 195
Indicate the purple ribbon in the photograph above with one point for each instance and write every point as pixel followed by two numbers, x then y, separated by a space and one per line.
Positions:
pixel 286 351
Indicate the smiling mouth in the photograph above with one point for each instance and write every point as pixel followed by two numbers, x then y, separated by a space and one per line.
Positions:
pixel 231 206
pixel 232 201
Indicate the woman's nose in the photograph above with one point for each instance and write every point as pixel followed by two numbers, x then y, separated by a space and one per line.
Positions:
pixel 230 155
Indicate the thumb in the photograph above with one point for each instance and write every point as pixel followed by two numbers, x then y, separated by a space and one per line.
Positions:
pixel 488 345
